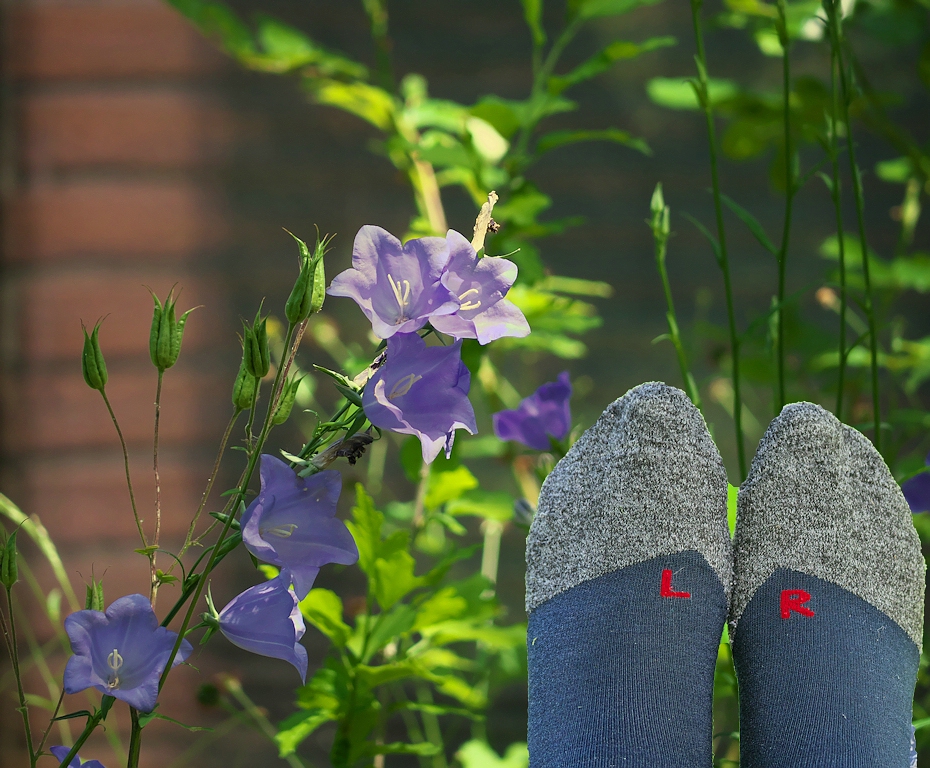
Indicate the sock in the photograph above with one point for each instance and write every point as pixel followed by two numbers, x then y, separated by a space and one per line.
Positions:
pixel 628 566
pixel 827 610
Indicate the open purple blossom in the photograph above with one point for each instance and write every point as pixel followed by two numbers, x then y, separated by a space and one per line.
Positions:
pixel 544 414
pixel 265 619
pixel 421 391
pixel 917 490
pixel 398 287
pixel 60 753
pixel 292 523
pixel 480 286
pixel 121 652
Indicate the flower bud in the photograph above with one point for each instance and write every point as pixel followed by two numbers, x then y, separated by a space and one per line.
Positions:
pixel 286 401
pixel 9 572
pixel 94 598
pixel 93 365
pixel 167 332
pixel 244 387
pixel 255 354
pixel 660 223
pixel 309 290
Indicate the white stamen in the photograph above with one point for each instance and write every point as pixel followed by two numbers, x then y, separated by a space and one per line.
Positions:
pixel 470 304
pixel 281 531
pixel 401 289
pixel 402 387
pixel 114 662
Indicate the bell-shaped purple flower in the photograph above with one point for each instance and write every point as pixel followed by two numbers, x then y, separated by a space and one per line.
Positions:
pixel 265 619
pixel 60 753
pixel 917 490
pixel 398 287
pixel 292 523
pixel 480 286
pixel 543 414
pixel 421 391
pixel 121 652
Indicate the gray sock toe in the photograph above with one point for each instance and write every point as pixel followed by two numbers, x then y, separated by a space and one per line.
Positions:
pixel 645 480
pixel 820 500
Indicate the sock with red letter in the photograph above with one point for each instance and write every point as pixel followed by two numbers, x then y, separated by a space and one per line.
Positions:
pixel 628 568
pixel 827 608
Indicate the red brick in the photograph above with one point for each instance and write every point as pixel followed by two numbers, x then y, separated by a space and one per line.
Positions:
pixel 134 128
pixel 58 411
pixel 131 38
pixel 53 304
pixel 124 220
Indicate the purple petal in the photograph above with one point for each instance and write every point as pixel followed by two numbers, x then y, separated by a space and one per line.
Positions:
pixel 544 413
pixel 502 319
pixel 265 619
pixel 917 492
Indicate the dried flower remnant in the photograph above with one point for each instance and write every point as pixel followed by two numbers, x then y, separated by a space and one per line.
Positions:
pixel 398 287
pixel 121 652
pixel 480 286
pixel 292 523
pixel 265 619
pixel 421 391
pixel 543 415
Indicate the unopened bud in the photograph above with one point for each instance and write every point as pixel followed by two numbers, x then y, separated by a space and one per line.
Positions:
pixel 94 598
pixel 309 290
pixel 93 365
pixel 661 216
pixel 167 332
pixel 244 387
pixel 286 401
pixel 256 355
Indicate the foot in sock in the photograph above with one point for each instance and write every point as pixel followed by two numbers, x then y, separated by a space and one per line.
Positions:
pixel 628 570
pixel 827 607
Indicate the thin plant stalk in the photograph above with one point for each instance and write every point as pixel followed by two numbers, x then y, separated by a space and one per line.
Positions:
pixel 261 720
pixel 701 61
pixel 790 190
pixel 135 738
pixel 153 593
pixel 836 42
pixel 8 627
pixel 122 442
pixel 92 722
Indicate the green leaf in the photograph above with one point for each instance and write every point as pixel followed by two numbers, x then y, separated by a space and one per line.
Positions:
pixel 146 718
pixel 446 486
pixel 752 223
pixel 323 609
pixel 479 754
pixel 394 579
pixel 286 48
pixel 678 92
pixel 710 238
pixel 219 23
pixel 422 748
pixel 298 727
pixel 575 286
pixel 466 631
pixel 592 9
pixel 365 527
pixel 368 102
pixel 605 59
pixel 897 171
pixel 532 12
pixel 396 623
pixel 388 673
pixel 490 505
pixel 557 139
pixel 442 606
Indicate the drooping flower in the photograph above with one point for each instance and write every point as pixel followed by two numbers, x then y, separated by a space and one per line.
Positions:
pixel 421 391
pixel 480 286
pixel 543 414
pixel 265 619
pixel 121 652
pixel 292 523
pixel 61 753
pixel 398 287
pixel 917 490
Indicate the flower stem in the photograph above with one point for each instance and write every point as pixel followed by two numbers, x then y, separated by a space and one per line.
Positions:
pixel 122 442
pixel 135 739
pixel 836 41
pixel 92 722
pixel 9 633
pixel 790 190
pixel 701 60
pixel 153 593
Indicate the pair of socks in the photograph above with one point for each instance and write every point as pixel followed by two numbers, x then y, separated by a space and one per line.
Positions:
pixel 632 575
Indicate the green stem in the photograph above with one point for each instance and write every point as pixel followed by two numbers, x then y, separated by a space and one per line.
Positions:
pixel 231 505
pixel 153 590
pixel 92 722
pixel 378 19
pixel 701 60
pixel 251 420
pixel 122 442
pixel 135 739
pixel 431 726
pixel 9 633
pixel 790 189
pixel 841 241
pixel 836 39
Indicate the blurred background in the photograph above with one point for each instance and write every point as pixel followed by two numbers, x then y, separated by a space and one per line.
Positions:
pixel 134 154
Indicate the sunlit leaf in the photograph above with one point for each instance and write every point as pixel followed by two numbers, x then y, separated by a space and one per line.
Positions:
pixel 361 99
pixel 394 578
pixel 562 138
pixel 445 486
pixel 490 505
pixel 532 12
pixel 480 754
pixel 365 527
pixel 678 92
pixel 605 59
pixel 323 609
pixel 592 9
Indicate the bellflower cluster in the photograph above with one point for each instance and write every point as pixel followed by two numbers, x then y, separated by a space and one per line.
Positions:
pixel 401 287
pixel 60 753
pixel 917 490
pixel 121 652
pixel 544 414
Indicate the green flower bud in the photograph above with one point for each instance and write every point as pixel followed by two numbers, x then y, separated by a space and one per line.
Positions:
pixel 256 355
pixel 286 401
pixel 93 365
pixel 309 290
pixel 9 572
pixel 94 598
pixel 167 332
pixel 244 387
pixel 661 217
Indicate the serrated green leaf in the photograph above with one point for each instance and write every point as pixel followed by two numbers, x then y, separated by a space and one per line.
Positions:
pixel 442 606
pixel 605 59
pixel 394 578
pixel 365 527
pixel 298 727
pixel 557 139
pixel 323 609
pixel 445 486
pixel 396 623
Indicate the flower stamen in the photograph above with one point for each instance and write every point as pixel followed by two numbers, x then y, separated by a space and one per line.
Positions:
pixel 281 531
pixel 402 387
pixel 401 289
pixel 470 304
pixel 114 662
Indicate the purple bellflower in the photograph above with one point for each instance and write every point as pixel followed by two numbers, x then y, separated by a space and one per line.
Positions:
pixel 398 287
pixel 61 753
pixel 421 391
pixel 480 286
pixel 292 523
pixel 266 620
pixel 917 490
pixel 543 414
pixel 122 652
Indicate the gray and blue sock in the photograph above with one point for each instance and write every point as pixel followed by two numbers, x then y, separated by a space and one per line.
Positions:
pixel 629 563
pixel 827 607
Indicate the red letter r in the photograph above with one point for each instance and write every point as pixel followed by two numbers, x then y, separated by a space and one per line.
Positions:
pixel 793 600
